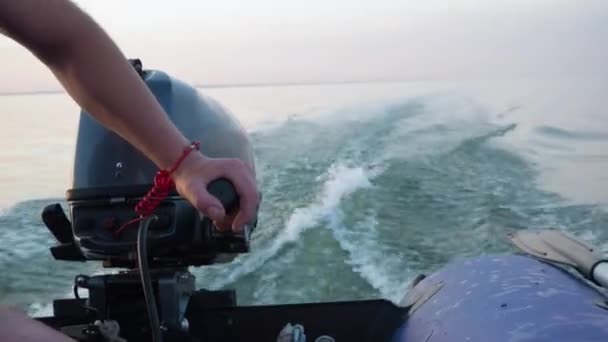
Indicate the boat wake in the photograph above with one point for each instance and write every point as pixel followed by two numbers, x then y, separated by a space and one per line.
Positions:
pixel 340 182
pixel 355 204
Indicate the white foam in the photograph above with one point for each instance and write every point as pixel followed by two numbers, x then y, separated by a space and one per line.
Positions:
pixel 369 259
pixel 366 257
pixel 40 310
pixel 340 181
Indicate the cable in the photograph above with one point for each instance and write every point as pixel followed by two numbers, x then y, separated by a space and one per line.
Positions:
pixel 144 271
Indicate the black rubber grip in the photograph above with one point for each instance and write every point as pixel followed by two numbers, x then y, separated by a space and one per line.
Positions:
pixel 57 222
pixel 225 192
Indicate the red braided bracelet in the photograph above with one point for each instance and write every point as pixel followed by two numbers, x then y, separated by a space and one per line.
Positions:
pixel 163 184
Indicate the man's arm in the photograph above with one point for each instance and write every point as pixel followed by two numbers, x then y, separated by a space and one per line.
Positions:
pixel 94 72
pixel 101 80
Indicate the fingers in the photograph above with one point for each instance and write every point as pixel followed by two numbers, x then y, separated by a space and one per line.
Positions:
pixel 193 180
pixel 209 204
pixel 242 177
pixel 244 182
pixel 225 224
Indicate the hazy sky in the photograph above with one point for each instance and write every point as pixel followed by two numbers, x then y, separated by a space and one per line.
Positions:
pixel 231 41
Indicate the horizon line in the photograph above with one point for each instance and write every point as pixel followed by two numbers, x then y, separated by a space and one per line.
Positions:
pixel 221 85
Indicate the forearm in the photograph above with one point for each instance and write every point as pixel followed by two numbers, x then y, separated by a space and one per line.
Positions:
pixel 118 98
pixel 94 72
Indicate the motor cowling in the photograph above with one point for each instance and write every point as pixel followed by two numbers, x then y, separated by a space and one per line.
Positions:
pixel 106 161
pixel 110 177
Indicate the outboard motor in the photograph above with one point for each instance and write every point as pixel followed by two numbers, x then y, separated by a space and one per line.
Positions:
pixel 110 177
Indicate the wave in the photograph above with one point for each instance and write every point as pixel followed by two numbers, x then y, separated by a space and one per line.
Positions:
pixel 561 133
pixel 369 257
pixel 432 173
pixel 340 181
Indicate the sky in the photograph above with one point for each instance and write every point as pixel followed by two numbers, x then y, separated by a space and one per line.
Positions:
pixel 268 41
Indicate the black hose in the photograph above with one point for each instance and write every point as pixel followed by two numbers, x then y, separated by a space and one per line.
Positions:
pixel 82 280
pixel 144 271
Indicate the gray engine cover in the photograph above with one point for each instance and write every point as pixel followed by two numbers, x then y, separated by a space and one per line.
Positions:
pixel 105 160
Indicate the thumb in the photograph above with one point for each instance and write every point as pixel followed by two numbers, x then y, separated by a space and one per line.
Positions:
pixel 208 204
